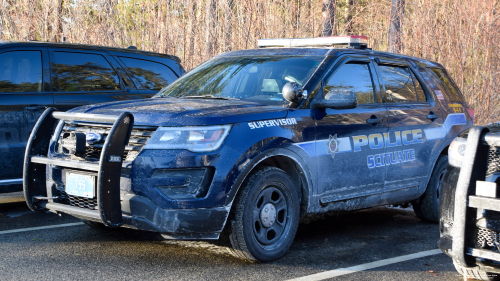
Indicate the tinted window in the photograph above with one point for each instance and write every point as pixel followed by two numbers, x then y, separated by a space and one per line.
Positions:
pixel 258 79
pixel 446 84
pixel 151 75
pixel 399 85
pixel 355 77
pixel 21 71
pixel 418 87
pixel 85 72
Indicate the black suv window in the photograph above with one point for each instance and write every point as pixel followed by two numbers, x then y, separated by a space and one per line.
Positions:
pixel 21 71
pixel 445 83
pixel 85 72
pixel 151 75
pixel 400 84
pixel 418 88
pixel 355 77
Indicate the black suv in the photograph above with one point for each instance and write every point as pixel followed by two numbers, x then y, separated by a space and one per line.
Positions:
pixel 35 76
pixel 249 142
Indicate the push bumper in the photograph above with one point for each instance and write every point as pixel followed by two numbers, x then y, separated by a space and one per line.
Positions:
pixel 476 207
pixel 110 205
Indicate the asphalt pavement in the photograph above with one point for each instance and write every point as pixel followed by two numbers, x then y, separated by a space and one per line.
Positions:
pixel 355 240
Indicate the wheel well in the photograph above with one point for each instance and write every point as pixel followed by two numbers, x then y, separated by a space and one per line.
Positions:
pixel 294 171
pixel 445 150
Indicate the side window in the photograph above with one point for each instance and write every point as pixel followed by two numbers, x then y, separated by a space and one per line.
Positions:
pixel 151 75
pixel 398 83
pixel 85 72
pixel 21 71
pixel 418 87
pixel 355 77
pixel 445 84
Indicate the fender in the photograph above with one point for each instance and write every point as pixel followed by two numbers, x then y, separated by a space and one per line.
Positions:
pixel 423 185
pixel 255 156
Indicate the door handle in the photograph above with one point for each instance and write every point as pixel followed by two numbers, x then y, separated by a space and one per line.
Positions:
pixel 374 120
pixel 432 116
pixel 34 108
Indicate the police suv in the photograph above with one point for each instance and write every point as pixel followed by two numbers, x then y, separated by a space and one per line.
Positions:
pixel 250 142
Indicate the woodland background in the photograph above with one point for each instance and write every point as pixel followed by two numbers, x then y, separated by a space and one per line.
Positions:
pixel 463 35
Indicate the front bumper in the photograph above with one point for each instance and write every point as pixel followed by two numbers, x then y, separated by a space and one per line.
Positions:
pixel 139 212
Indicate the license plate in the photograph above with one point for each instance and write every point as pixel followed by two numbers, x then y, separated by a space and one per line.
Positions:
pixel 80 185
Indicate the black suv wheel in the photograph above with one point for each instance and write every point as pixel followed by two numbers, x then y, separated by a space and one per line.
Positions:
pixel 266 216
pixel 426 208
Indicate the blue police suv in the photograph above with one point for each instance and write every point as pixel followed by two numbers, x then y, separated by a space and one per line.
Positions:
pixel 250 142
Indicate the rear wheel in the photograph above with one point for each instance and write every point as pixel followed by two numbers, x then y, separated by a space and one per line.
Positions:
pixel 427 206
pixel 266 216
pixel 476 273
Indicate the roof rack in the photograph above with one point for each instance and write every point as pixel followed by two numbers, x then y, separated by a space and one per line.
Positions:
pixel 351 41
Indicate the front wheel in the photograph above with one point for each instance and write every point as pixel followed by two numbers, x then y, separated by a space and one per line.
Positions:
pixel 427 206
pixel 266 216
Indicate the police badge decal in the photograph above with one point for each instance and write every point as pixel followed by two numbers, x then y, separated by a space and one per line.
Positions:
pixel 333 145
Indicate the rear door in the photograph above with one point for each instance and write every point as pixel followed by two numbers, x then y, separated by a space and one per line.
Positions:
pixel 414 118
pixel 25 93
pixel 87 77
pixel 350 142
pixel 149 76
pixel 451 100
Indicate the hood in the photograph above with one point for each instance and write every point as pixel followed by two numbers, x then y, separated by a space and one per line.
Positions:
pixel 186 112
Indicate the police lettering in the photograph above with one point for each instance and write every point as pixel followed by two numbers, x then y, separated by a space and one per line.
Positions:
pixel 390 158
pixel 377 141
pixel 271 123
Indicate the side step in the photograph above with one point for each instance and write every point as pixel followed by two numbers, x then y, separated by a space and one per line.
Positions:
pixel 108 169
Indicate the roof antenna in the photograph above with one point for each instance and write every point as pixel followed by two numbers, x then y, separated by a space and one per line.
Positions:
pixel 64 39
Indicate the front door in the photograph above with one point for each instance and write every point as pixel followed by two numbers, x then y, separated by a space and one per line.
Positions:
pixel 350 143
pixel 25 93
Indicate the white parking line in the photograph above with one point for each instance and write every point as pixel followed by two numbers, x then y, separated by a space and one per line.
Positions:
pixel 40 228
pixel 366 266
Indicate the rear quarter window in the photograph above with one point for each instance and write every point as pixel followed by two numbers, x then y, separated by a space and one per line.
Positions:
pixel 150 75
pixel 446 85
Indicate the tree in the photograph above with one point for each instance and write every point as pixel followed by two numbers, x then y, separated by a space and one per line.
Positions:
pixel 58 22
pixel 229 21
pixel 211 34
pixel 397 11
pixel 348 21
pixel 328 17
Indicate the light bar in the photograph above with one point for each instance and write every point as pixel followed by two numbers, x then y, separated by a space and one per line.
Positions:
pixel 352 41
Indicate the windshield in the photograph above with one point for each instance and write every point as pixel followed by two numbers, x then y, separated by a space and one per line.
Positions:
pixel 258 79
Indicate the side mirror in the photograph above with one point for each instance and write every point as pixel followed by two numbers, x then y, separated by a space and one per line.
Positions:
pixel 337 99
pixel 292 92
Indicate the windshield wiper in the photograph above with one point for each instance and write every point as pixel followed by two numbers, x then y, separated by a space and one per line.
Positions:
pixel 207 97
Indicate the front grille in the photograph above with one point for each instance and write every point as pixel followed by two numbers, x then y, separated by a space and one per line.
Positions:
pixel 138 138
pixel 82 202
pixel 493 161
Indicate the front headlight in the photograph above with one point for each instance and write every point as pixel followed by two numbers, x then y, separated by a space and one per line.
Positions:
pixel 456 152
pixel 196 139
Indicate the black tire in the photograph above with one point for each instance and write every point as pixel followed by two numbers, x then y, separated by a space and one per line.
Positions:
pixel 252 231
pixel 476 273
pixel 427 206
